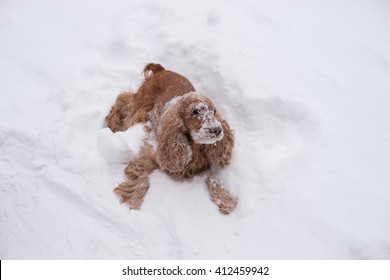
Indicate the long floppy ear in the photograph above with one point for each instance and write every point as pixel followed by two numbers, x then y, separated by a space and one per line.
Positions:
pixel 220 153
pixel 173 148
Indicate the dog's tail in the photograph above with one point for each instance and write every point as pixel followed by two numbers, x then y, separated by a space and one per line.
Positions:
pixel 152 69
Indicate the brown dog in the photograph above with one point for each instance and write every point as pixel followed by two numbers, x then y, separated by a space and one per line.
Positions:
pixel 189 134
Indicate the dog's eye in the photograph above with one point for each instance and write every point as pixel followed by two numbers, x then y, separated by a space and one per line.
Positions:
pixel 215 111
pixel 195 113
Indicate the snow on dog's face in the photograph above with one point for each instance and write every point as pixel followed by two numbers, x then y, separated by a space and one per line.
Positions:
pixel 200 118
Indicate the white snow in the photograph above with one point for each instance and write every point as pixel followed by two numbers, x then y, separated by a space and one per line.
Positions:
pixel 304 84
pixel 122 146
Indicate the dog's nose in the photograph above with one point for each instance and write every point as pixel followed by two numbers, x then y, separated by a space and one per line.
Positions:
pixel 216 130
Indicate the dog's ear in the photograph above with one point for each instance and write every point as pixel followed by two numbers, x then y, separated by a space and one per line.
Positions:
pixel 173 148
pixel 220 153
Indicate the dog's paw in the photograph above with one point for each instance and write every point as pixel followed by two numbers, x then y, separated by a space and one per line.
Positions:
pixel 228 202
pixel 225 201
pixel 131 195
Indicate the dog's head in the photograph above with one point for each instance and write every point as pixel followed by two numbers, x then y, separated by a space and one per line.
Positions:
pixel 200 118
pixel 192 118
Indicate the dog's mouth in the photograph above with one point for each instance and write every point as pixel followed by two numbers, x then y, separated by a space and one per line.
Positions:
pixel 208 136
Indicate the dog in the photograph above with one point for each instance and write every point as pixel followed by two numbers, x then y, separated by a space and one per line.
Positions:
pixel 186 136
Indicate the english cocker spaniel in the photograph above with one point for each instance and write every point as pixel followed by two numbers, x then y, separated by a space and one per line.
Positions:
pixel 186 135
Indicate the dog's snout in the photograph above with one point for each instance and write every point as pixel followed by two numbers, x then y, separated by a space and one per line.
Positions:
pixel 216 130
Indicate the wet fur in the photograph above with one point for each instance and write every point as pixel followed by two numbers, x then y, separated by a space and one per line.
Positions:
pixel 176 153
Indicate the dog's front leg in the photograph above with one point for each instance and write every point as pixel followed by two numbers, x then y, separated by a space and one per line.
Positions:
pixel 133 190
pixel 225 201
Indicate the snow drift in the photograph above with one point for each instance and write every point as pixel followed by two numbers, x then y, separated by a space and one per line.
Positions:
pixel 304 84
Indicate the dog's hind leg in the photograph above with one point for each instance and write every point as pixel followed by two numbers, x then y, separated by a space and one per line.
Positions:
pixel 121 112
pixel 137 172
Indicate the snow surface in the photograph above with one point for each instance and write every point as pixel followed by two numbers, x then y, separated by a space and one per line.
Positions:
pixel 304 84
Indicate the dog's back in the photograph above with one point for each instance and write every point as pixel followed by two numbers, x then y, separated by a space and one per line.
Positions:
pixel 160 86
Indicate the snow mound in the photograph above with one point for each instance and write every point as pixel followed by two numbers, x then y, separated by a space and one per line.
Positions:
pixel 304 86
pixel 120 147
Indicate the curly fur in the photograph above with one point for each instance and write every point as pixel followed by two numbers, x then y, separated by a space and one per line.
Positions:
pixel 191 135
